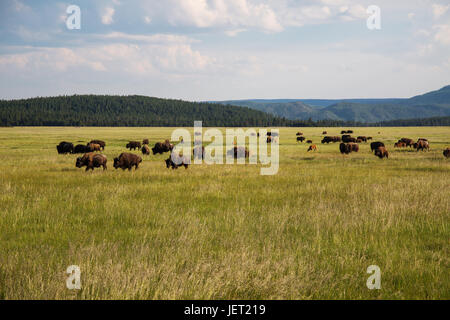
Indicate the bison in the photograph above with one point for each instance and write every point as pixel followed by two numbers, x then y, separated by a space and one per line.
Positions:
pixel 238 152
pixel 362 138
pixel 381 153
pixel 308 141
pixel 145 150
pixel 348 139
pixel 145 141
pixel 299 134
pixel 407 141
pixel 301 139
pixel 162 147
pixel 312 147
pixel 179 161
pixel 92 160
pixel 324 132
pixel 127 161
pixel 133 145
pixel 81 148
pixel 422 145
pixel 64 147
pixel 399 144
pixel 100 142
pixel 199 152
pixel 375 145
pixel 94 147
pixel 447 153
pixel 348 147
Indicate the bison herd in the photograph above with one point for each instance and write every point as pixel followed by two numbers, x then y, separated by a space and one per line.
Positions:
pixel 349 144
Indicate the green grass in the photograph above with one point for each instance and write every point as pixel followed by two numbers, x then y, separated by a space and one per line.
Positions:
pixel 224 231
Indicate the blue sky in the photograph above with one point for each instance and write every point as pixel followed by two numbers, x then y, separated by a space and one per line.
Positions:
pixel 224 49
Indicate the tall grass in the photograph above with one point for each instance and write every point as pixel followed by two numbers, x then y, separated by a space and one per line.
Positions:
pixel 224 231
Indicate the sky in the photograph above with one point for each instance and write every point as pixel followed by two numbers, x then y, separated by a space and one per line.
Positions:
pixel 224 49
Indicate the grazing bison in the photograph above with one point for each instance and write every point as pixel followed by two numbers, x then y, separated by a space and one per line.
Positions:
pixel 64 147
pixel 145 150
pixel 238 152
pixel 381 153
pixel 100 142
pixel 145 141
pixel 447 153
pixel 308 141
pixel 127 161
pixel 422 145
pixel 299 134
pixel 312 147
pixel 348 147
pixel 329 139
pixel 199 152
pixel 343 132
pixel 407 141
pixel 92 160
pixel 375 145
pixel 301 139
pixel 324 132
pixel 133 145
pixel 362 138
pixel 369 138
pixel 161 147
pixel 347 139
pixel 94 147
pixel 179 161
pixel 399 144
pixel 81 148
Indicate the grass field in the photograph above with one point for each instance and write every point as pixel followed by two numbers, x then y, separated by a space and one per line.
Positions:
pixel 224 231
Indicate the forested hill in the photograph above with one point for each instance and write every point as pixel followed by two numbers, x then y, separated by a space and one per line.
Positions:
pixel 98 110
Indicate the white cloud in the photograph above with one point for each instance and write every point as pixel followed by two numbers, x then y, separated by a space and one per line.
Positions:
pixel 107 16
pixel 442 34
pixel 439 10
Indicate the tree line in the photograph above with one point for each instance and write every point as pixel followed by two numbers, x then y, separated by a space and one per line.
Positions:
pixel 141 111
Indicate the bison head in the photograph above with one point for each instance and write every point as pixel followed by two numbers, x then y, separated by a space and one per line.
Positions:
pixel 168 163
pixel 116 163
pixel 79 162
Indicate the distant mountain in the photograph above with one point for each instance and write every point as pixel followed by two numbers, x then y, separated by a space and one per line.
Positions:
pixel 432 104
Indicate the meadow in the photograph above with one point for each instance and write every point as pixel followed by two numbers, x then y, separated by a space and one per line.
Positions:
pixel 224 231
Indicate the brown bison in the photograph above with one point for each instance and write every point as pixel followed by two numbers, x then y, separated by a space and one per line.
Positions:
pixel 362 138
pixel 447 153
pixel 145 141
pixel 64 147
pixel 407 141
pixel 348 138
pixel 238 152
pixel 100 142
pixel 161 147
pixel 145 150
pixel 399 144
pixel 133 145
pixel 179 161
pixel 94 147
pixel 81 148
pixel 199 152
pixel 301 139
pixel 299 134
pixel 369 138
pixel 348 147
pixel 422 145
pixel 269 139
pixel 329 139
pixel 324 132
pixel 312 147
pixel 92 160
pixel 381 153
pixel 127 161
pixel 375 145
pixel 308 141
